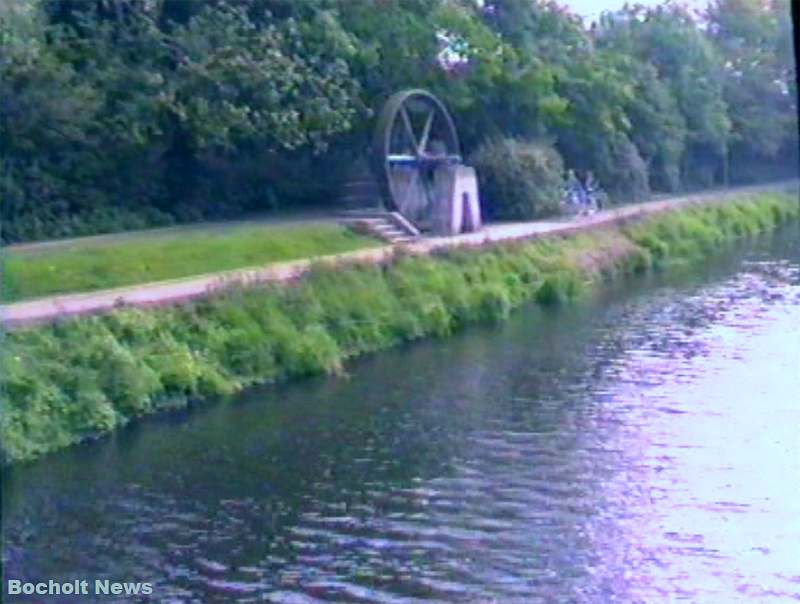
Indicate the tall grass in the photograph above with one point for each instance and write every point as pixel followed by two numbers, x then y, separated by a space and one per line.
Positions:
pixel 83 377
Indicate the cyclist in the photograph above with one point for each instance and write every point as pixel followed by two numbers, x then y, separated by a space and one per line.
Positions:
pixel 574 191
pixel 593 197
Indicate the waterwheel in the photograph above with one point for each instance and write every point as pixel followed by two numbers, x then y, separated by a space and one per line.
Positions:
pixel 414 136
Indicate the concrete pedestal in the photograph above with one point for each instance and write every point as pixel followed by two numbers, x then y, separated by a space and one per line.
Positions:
pixel 457 206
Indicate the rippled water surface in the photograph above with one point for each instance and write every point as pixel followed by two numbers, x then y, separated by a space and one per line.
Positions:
pixel 641 447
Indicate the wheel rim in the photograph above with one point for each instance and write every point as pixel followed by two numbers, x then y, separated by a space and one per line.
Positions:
pixel 413 136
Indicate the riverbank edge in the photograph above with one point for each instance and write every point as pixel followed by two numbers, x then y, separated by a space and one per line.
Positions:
pixel 178 291
pixel 83 377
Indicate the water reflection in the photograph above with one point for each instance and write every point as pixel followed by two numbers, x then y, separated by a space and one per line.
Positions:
pixel 641 448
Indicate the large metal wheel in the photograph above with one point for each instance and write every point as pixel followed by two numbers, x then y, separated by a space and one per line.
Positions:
pixel 414 135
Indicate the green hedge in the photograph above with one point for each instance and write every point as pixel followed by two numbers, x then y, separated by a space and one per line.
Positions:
pixel 519 180
pixel 83 377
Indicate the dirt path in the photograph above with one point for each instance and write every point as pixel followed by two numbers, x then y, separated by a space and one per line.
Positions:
pixel 179 290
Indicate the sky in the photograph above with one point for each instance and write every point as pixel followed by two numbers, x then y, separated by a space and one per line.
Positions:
pixel 593 8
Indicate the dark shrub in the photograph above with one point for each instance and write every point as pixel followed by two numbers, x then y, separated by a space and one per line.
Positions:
pixel 622 171
pixel 519 179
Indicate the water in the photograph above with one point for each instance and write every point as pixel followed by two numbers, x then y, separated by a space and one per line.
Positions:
pixel 641 447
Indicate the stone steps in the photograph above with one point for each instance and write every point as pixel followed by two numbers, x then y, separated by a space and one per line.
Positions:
pixel 387 226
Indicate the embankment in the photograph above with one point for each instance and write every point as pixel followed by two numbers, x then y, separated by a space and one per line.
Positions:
pixel 83 377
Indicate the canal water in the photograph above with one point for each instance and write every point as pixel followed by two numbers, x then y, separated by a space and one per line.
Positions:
pixel 642 446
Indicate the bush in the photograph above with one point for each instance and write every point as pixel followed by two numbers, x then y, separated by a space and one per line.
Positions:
pixel 49 223
pixel 622 171
pixel 519 179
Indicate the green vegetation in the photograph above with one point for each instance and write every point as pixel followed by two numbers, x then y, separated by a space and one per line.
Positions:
pixel 88 265
pixel 518 179
pixel 117 114
pixel 83 377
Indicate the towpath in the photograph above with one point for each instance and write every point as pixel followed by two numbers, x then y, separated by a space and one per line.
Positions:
pixel 180 290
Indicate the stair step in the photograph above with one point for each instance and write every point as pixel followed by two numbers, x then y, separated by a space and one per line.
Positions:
pixel 358 214
pixel 379 223
pixel 367 184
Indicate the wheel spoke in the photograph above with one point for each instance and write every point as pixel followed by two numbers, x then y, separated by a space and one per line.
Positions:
pixel 409 130
pixel 426 132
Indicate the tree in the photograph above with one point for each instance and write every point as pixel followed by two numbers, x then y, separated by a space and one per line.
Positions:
pixel 46 124
pixel 591 93
pixel 157 113
pixel 668 38
pixel 754 38
pixel 656 124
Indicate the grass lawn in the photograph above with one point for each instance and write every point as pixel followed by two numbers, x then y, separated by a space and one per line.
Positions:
pixel 88 265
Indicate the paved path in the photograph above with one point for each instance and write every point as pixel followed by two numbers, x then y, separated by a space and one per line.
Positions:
pixel 180 290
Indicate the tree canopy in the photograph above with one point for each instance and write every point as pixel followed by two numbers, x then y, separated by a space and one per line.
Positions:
pixel 122 113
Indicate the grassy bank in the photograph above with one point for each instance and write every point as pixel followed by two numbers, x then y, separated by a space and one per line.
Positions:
pixel 87 265
pixel 83 377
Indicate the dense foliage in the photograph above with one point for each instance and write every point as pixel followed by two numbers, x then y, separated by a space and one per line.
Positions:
pixel 83 377
pixel 116 114
pixel 518 179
